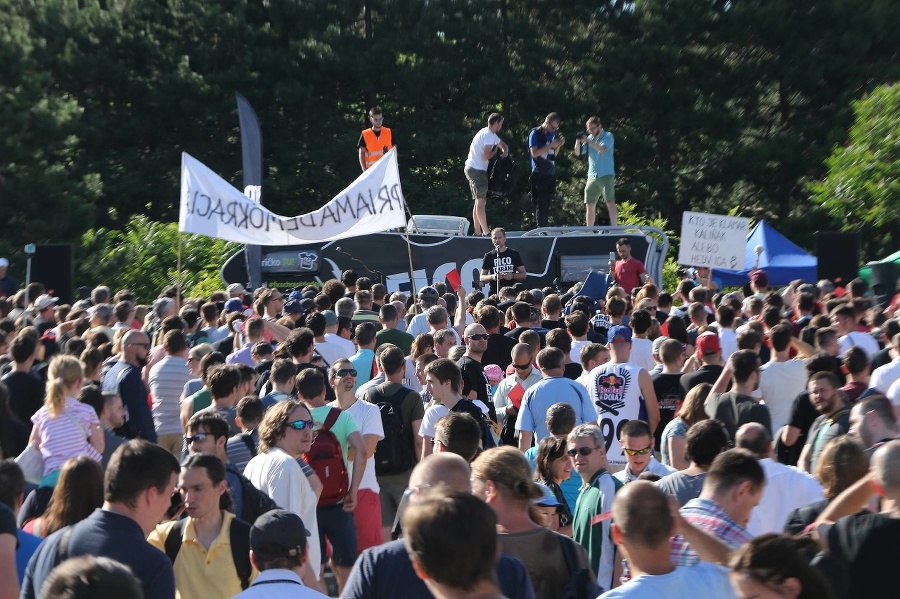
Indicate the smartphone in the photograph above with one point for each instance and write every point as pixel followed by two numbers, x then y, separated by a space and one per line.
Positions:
pixel 612 257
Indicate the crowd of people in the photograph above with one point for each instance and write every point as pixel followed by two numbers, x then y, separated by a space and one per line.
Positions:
pixel 511 442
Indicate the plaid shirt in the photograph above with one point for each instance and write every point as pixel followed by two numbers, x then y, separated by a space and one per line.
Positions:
pixel 706 514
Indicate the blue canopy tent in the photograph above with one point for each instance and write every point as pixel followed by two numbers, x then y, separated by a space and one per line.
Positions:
pixel 782 260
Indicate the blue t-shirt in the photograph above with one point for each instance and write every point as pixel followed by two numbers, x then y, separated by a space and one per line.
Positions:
pixel 538 138
pixel 600 164
pixel 385 571
pixel 28 544
pixel 570 488
pixel 546 392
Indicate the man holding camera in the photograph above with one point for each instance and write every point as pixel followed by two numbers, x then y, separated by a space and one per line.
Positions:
pixel 598 144
pixel 544 143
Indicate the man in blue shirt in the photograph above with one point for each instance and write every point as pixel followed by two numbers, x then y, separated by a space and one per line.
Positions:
pixel 544 143
pixel 601 180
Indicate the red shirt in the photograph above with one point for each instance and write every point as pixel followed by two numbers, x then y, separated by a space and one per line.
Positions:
pixel 628 273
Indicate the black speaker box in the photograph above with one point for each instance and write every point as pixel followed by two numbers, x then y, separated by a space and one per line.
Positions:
pixel 838 255
pixel 54 266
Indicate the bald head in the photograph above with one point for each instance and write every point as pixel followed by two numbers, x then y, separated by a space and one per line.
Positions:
pixel 754 437
pixel 886 467
pixel 134 336
pixel 442 468
pixel 523 351
pixel 642 515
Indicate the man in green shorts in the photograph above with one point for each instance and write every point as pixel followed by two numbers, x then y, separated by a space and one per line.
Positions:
pixel 599 146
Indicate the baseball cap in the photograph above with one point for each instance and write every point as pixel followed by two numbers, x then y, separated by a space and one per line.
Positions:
pixel 429 294
pixel 295 295
pixel 293 307
pixel 330 317
pixel 760 278
pixel 234 305
pixel 548 499
pixel 278 533
pixel 236 288
pixel 658 342
pixel 4 262
pixel 619 334
pixel 708 343
pixel 45 301
pixel 493 372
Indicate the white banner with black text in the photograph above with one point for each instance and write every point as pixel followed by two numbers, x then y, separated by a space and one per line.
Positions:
pixel 211 206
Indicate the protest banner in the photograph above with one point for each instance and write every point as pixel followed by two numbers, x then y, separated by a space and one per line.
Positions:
pixel 211 206
pixel 713 240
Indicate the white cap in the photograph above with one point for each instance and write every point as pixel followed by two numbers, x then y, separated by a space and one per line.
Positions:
pixel 4 262
pixel 45 301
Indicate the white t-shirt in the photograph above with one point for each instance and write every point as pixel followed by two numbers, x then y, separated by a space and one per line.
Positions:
pixel 438 411
pixel 368 422
pixel 728 342
pixel 702 580
pixel 615 390
pixel 864 341
pixel 786 490
pixel 779 384
pixel 884 376
pixel 483 138
pixel 642 353
pixel 575 354
pixel 893 393
pixel 335 348
pixel 279 476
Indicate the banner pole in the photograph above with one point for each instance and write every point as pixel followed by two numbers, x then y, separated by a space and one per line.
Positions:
pixel 178 275
pixel 412 277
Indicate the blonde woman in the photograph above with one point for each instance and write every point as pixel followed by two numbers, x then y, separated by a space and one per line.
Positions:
pixel 64 427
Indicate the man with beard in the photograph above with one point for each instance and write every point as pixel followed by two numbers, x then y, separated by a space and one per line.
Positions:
pixel 124 378
pixel 833 422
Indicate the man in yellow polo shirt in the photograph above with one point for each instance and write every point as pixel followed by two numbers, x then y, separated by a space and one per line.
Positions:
pixel 210 548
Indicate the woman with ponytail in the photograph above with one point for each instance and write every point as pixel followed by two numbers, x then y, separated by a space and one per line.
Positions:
pixel 502 477
pixel 64 427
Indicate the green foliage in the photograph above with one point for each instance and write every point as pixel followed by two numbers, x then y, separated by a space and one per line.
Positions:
pixel 862 189
pixel 725 107
pixel 143 257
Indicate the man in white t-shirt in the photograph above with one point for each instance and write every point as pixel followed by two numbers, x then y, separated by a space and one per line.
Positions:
pixel 643 524
pixel 884 376
pixel 844 320
pixel 367 417
pixel 781 379
pixel 485 146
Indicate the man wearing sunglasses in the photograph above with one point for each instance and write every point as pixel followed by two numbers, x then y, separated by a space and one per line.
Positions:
pixel 124 379
pixel 586 448
pixel 637 443
pixel 509 393
pixel 474 383
pixel 375 141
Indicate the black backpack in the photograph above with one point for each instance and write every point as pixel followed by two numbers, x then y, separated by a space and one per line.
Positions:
pixel 502 175
pixel 582 584
pixel 394 453
pixel 239 537
pixel 490 432
pixel 255 502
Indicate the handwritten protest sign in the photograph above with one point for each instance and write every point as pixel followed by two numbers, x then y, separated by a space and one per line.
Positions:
pixel 211 206
pixel 713 240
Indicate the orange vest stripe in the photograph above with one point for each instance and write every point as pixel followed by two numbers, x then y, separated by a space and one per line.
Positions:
pixel 375 145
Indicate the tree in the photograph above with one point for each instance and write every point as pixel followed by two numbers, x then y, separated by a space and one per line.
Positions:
pixel 862 189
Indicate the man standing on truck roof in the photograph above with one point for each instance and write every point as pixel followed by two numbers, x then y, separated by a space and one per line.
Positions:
pixel 374 141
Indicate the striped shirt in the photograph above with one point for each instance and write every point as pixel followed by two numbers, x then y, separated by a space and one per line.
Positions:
pixel 66 436
pixel 167 380
pixel 596 499
pixel 707 515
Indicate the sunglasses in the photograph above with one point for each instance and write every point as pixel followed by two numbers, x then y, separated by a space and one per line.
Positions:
pixel 299 425
pixel 345 372
pixel 144 345
pixel 585 451
pixel 521 366
pixel 479 337
pixel 643 451
pixel 198 437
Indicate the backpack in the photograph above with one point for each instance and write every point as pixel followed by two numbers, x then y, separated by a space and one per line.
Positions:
pixel 326 458
pixel 490 432
pixel 582 584
pixel 255 503
pixel 239 537
pixel 394 453
pixel 502 175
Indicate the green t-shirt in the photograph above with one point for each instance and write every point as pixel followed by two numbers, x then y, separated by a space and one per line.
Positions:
pixel 202 399
pixel 399 338
pixel 341 429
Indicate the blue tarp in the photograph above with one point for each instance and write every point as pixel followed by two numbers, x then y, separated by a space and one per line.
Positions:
pixel 782 260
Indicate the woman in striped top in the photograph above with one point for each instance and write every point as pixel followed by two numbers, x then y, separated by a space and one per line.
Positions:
pixel 64 427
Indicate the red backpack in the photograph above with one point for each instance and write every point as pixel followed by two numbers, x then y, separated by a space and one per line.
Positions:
pixel 326 458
